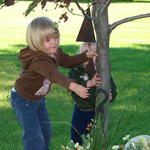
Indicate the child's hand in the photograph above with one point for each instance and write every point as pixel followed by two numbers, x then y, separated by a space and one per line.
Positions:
pixel 91 54
pixel 96 81
pixel 110 96
pixel 79 90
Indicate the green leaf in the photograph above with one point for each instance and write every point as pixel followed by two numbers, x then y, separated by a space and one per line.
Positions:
pixel 32 6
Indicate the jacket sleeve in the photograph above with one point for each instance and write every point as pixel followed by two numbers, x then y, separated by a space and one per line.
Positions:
pixel 71 61
pixel 75 75
pixel 47 69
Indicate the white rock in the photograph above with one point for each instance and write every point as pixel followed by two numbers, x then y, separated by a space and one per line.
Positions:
pixel 136 139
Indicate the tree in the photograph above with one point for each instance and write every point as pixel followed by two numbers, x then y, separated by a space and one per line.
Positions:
pixel 103 30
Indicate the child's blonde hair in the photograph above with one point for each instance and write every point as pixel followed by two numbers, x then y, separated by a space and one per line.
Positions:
pixel 39 30
pixel 85 46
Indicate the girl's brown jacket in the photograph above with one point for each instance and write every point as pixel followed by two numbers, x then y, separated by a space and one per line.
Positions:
pixel 39 71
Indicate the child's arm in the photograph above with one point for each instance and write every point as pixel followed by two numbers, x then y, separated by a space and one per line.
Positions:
pixel 71 61
pixel 75 74
pixel 79 90
pixel 49 71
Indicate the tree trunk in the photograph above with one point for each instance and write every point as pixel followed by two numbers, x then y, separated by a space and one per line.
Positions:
pixel 103 68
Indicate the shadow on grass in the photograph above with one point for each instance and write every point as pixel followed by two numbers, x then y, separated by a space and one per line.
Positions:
pixel 128 121
pixel 11 52
pixel 10 130
pixel 129 117
pixel 130 111
pixel 122 59
pixel 59 107
pixel 131 59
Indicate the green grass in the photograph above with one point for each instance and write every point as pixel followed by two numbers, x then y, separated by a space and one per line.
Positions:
pixel 130 59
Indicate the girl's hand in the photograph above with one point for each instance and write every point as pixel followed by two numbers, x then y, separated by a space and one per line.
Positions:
pixel 96 81
pixel 79 90
pixel 91 54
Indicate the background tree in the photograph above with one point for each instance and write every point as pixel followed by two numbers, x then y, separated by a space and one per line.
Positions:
pixel 103 30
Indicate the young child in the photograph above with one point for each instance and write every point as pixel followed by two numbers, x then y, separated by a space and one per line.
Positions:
pixel 84 110
pixel 39 70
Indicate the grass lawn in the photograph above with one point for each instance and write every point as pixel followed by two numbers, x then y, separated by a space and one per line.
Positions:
pixel 130 60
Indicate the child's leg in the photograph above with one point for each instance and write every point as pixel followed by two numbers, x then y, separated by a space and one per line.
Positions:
pixel 45 123
pixel 80 120
pixel 26 112
pixel 76 123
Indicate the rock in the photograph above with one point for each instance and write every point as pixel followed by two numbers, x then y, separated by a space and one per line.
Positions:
pixel 137 139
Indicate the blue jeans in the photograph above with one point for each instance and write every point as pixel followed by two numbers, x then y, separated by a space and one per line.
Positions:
pixel 33 117
pixel 80 120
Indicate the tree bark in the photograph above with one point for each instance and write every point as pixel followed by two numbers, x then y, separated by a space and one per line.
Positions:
pixel 100 12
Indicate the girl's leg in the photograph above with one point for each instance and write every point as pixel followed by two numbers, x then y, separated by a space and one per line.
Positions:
pixel 80 120
pixel 26 112
pixel 45 123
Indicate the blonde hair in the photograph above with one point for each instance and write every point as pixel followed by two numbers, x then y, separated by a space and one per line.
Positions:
pixel 39 30
pixel 85 46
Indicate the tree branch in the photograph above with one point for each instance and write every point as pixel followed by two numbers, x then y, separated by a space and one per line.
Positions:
pixel 72 12
pixel 106 6
pixel 91 4
pixel 80 8
pixel 84 11
pixel 114 25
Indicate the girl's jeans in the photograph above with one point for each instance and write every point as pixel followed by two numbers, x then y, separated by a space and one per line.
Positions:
pixel 33 117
